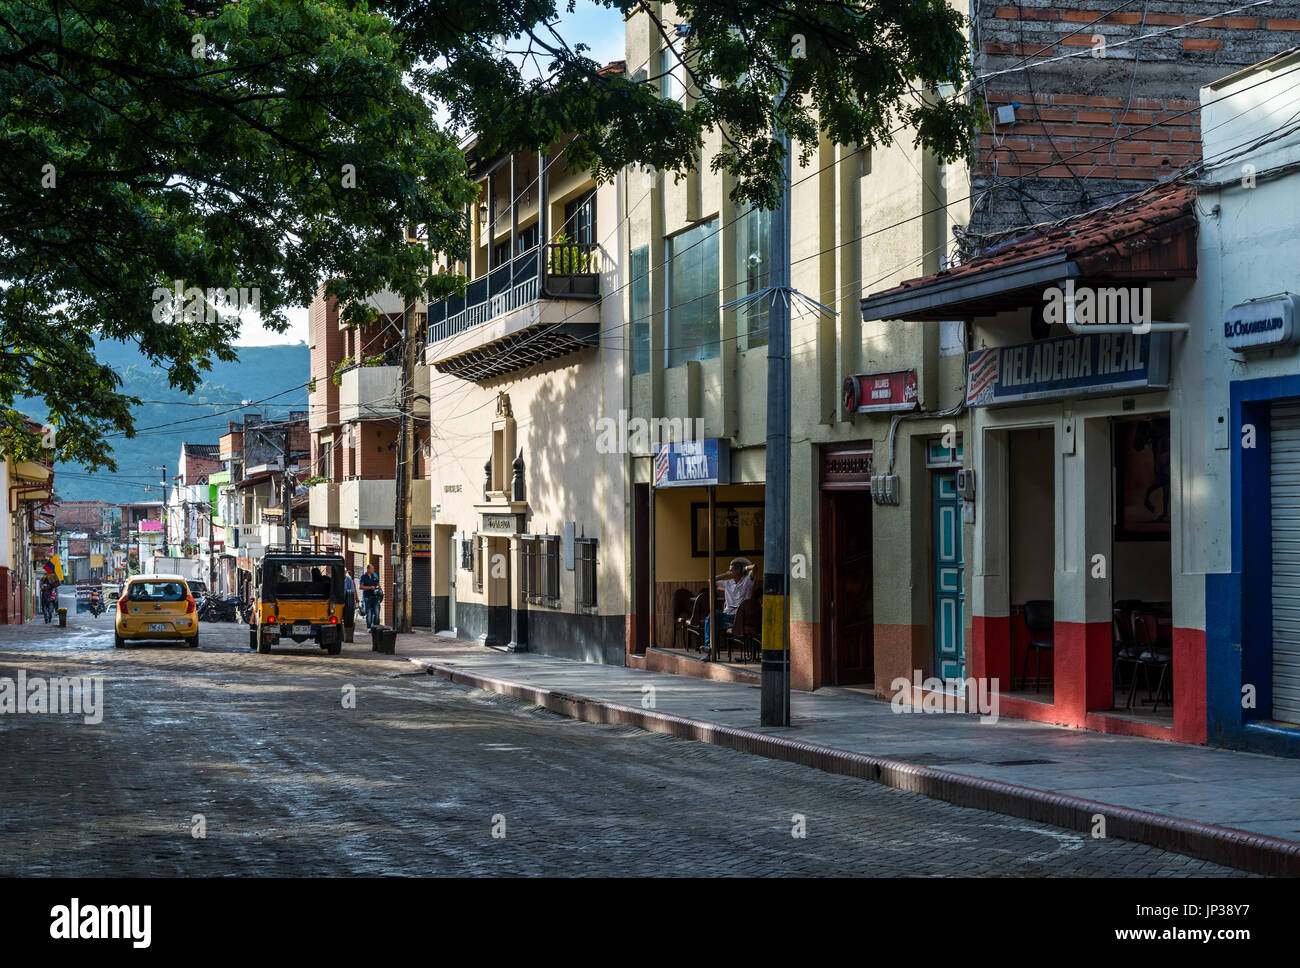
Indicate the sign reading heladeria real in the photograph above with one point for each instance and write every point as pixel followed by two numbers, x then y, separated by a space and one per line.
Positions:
pixel 1072 366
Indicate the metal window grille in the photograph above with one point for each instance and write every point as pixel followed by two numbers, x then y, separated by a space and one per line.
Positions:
pixel 585 573
pixel 549 577
pixel 478 563
pixel 528 569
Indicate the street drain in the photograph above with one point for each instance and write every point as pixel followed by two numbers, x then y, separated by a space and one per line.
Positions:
pixel 729 709
pixel 1020 762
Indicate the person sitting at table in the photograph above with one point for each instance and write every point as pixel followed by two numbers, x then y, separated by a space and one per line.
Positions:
pixel 736 585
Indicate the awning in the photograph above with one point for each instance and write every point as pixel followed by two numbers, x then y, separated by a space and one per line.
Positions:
pixel 253 479
pixel 1148 236
pixel 521 349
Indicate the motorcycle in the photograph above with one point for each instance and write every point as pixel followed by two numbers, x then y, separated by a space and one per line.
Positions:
pixel 215 608
pixel 95 607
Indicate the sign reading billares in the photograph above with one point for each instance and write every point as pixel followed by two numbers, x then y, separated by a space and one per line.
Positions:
pixel 880 392
pixel 1090 364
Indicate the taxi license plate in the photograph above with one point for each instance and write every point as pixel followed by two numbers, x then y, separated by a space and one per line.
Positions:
pixel 157 627
pixel 302 629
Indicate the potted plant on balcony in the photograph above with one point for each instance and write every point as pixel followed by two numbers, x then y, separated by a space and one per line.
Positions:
pixel 567 258
pixel 570 268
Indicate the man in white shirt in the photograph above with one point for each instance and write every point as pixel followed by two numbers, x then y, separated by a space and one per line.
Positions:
pixel 736 586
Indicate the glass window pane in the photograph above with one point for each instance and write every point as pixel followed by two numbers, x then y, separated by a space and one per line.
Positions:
pixel 753 272
pixel 692 331
pixel 670 82
pixel 639 325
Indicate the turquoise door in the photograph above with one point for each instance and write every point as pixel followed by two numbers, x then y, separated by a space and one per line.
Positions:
pixel 949 586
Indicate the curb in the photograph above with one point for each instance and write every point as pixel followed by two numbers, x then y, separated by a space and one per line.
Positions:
pixel 1240 849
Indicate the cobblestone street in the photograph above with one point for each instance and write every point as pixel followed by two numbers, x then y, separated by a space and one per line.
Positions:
pixel 414 779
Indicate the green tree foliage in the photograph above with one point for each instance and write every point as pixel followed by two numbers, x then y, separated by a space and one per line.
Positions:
pixel 858 71
pixel 263 145
pixel 260 145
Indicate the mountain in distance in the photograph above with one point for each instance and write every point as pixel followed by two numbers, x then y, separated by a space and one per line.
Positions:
pixel 198 418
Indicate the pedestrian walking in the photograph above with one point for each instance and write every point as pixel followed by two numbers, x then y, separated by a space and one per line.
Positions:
pixel 49 598
pixel 370 595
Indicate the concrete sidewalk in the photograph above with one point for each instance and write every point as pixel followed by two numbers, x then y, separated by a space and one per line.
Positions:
pixel 1239 809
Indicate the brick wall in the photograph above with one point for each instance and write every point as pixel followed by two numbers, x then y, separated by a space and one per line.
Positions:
pixel 1116 118
pixel 326 350
pixel 376 453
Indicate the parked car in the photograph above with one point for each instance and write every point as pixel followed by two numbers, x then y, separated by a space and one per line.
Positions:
pixel 158 608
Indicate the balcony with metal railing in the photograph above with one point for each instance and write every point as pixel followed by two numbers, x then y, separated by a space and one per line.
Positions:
pixel 538 306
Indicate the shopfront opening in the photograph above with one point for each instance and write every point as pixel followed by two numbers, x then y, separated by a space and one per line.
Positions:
pixel 687 551
pixel 1031 533
pixel 847 597
pixel 1143 670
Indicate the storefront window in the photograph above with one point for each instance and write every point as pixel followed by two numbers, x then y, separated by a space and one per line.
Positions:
pixel 693 295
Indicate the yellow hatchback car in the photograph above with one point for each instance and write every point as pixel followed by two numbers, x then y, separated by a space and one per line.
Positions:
pixel 156 607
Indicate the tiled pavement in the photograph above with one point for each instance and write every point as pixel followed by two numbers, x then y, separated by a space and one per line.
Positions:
pixel 1246 791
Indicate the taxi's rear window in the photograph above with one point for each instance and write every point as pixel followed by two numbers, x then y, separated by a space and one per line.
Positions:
pixel 157 591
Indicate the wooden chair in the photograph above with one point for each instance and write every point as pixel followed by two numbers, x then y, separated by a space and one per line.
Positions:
pixel 747 629
pixel 1038 616
pixel 681 611
pixel 1152 654
pixel 694 627
pixel 1124 650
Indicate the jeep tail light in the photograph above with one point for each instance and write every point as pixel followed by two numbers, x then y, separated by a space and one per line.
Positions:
pixel 334 620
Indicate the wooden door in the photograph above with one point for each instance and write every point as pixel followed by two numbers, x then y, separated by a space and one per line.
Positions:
pixel 949 584
pixel 852 659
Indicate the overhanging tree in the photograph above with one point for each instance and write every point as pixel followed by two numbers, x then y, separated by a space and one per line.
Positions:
pixel 255 146
pixel 860 71
pixel 265 144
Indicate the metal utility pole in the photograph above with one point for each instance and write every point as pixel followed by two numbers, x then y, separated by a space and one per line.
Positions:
pixel 287 492
pixel 163 483
pixel 402 585
pixel 775 680
pixel 212 561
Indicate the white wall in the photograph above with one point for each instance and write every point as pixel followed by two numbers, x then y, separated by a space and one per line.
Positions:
pixel 1249 246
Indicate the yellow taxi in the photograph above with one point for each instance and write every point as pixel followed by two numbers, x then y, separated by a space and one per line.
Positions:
pixel 157 608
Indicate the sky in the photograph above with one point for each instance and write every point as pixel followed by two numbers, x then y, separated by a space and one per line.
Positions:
pixel 600 28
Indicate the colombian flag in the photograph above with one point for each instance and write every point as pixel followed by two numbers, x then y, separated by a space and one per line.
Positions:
pixel 55 567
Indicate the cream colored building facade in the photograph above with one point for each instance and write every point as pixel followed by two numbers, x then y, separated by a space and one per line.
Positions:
pixel 863 575
pixel 526 507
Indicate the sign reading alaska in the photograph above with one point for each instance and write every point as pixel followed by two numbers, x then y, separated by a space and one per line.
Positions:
pixel 1071 366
